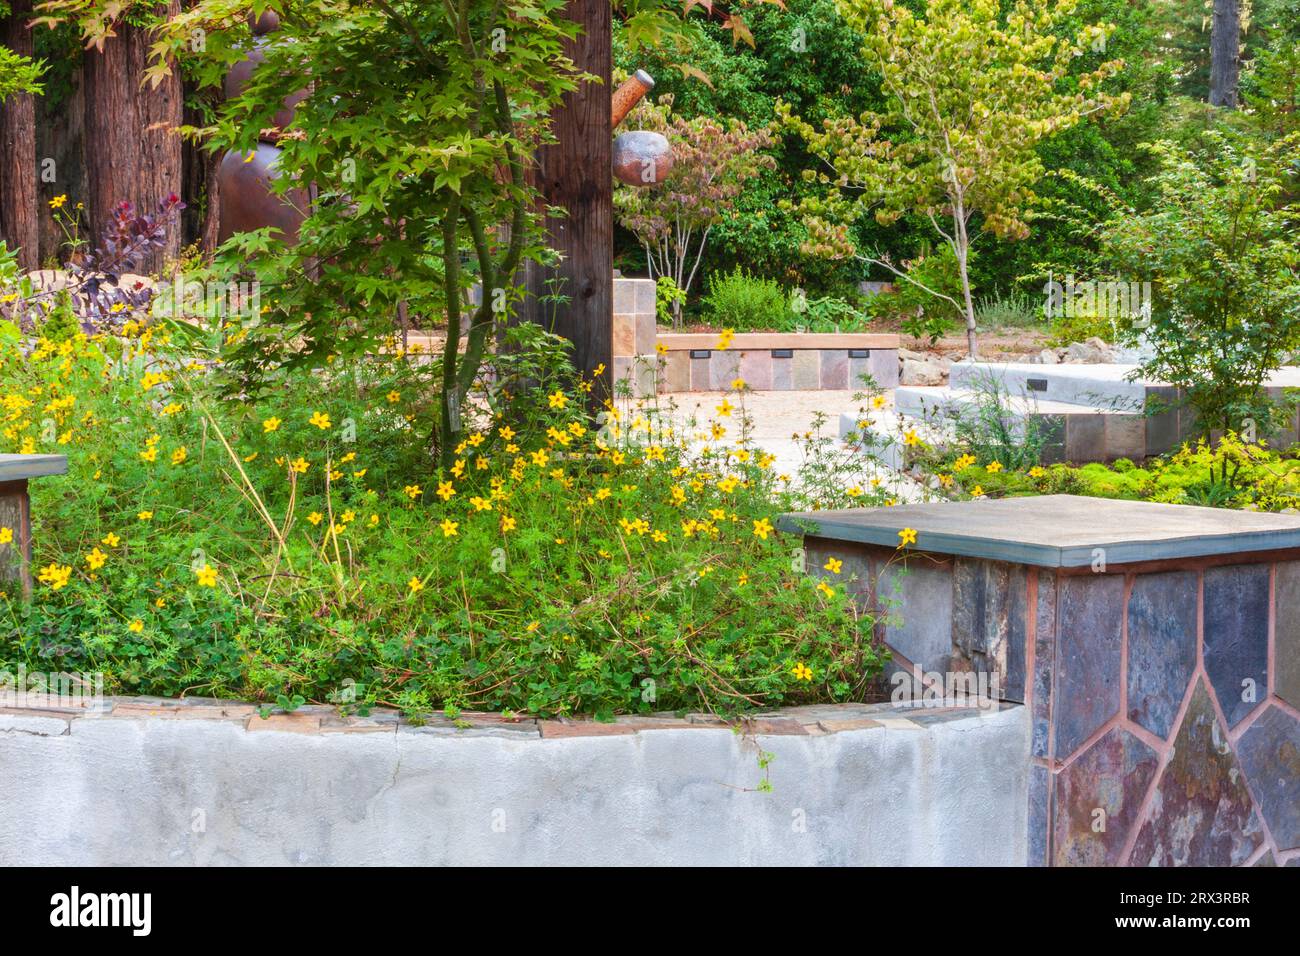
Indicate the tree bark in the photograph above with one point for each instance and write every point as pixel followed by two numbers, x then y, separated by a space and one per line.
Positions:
pixel 1225 53
pixel 132 151
pixel 576 173
pixel 19 224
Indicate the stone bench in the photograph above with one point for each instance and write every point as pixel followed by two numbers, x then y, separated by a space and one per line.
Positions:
pixel 1157 647
pixel 15 511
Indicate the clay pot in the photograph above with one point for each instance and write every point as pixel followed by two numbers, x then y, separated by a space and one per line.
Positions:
pixel 642 158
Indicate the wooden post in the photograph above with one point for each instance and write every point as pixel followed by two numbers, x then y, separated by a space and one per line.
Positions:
pixel 16 513
pixel 18 200
pixel 575 173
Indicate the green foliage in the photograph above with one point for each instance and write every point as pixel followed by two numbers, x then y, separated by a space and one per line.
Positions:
pixel 1220 251
pixel 299 547
pixel 972 89
pixel 744 302
pixel 18 74
pixel 1232 473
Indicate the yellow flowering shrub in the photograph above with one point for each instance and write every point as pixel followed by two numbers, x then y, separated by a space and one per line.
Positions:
pixel 303 543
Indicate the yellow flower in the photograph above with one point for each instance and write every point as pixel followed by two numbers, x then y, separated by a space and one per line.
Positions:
pixel 508 523
pixel 1037 472
pixel 145 516
pixel 136 626
pixel 55 575
pixel 762 528
pixel 58 202
pixel 725 409
pixel 111 540
pixel 315 517
pixel 993 467
pixel 6 535
pixel 415 584
pixel 532 626
pixel 911 439
pixel 179 455
pixel 95 560
pixel 448 527
pixel 802 672
pixel 394 397
pixel 320 420
pixel 149 455
pixel 825 589
pixel 207 576
pixel 945 481
pixel 962 463
pixel 878 402
pixel 833 565
pixel 738 384
pixel 445 490
pixel 557 399
pixel 977 491
pixel 742 579
pixel 270 425
pixel 906 536
pixel 724 339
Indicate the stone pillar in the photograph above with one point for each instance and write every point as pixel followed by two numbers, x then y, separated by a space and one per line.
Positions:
pixel 1156 646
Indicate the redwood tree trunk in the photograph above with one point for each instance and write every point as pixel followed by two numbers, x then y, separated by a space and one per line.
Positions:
pixel 576 174
pixel 18 202
pixel 132 151
pixel 1225 53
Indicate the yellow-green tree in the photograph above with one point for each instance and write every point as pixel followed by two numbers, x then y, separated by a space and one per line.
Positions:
pixel 972 89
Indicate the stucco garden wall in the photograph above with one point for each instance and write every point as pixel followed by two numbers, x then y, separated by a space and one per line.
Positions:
pixel 162 783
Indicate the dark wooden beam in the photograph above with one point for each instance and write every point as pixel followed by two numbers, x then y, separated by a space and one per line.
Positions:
pixel 575 174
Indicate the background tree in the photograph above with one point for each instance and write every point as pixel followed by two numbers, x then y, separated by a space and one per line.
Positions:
pixel 712 160
pixel 1225 53
pixel 19 80
pixel 1220 248
pixel 971 91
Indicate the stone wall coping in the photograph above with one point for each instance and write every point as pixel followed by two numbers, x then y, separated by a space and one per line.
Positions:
pixel 22 467
pixel 1057 531
pixel 52 716
pixel 677 341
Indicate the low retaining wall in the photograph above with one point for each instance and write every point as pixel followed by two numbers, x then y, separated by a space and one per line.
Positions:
pixel 651 360
pixel 200 782
pixel 1157 647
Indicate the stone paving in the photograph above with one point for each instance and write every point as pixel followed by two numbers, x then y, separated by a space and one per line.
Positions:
pixel 777 417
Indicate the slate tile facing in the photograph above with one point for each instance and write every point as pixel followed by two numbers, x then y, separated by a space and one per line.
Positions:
pixel 1088 675
pixel 1098 798
pixel 1236 637
pixel 1044 654
pixel 988 621
pixel 1161 647
pixel 1270 755
pixel 1286 655
pixel 1038 788
pixel 1201 814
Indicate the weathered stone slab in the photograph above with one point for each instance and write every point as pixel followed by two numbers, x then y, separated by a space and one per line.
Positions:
pixel 1201 813
pixel 834 369
pixel 1090 614
pixel 1270 755
pixel 1286 656
pixel 1098 798
pixel 1044 663
pixel 1162 612
pixel 1039 785
pixel 1236 637
pixel 1061 530
pixel 920 627
pixel 988 621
